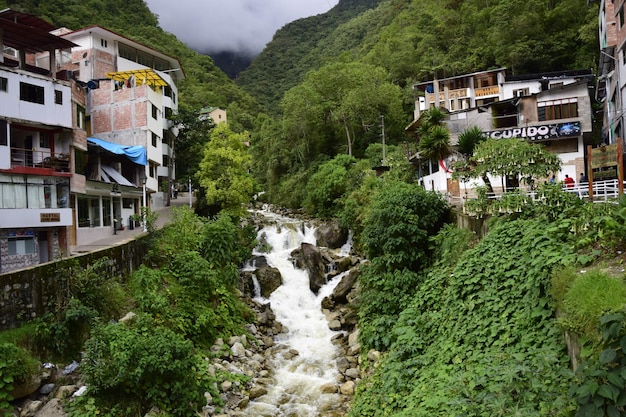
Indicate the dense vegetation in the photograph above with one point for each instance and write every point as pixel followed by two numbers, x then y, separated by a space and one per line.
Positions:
pixel 414 40
pixel 180 306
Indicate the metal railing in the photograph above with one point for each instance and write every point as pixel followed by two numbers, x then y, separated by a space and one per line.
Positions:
pixel 23 157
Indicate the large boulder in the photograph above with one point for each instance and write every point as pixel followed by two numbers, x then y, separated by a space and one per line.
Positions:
pixel 343 288
pixel 331 235
pixel 269 279
pixel 313 263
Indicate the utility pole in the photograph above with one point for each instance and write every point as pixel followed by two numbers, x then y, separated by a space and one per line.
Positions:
pixel 382 126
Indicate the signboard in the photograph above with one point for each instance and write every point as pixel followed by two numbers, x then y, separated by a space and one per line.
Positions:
pixel 50 217
pixel 540 132
pixel 487 91
pixel 604 156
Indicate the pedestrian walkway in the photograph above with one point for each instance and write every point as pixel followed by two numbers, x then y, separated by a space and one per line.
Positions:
pixel 126 235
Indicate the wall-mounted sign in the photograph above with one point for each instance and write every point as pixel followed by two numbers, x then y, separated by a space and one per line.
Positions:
pixel 537 133
pixel 604 157
pixel 50 217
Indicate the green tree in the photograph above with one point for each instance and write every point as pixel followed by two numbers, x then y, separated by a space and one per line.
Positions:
pixel 193 134
pixel 513 158
pixel 328 186
pixel 224 171
pixel 337 109
pixel 468 140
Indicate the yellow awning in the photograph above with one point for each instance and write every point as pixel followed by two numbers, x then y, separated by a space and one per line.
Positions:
pixel 139 77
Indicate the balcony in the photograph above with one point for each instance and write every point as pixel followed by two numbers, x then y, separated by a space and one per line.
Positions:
pixel 45 162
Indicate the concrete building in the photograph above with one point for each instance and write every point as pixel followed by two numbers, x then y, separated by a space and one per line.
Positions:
pixel 131 92
pixel 85 140
pixel 39 138
pixel 215 113
pixel 611 69
pixel 550 109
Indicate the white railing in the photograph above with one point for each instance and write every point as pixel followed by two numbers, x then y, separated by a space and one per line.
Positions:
pixel 603 191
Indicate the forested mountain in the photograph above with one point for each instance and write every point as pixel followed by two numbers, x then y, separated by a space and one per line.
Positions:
pixel 414 39
pixel 206 84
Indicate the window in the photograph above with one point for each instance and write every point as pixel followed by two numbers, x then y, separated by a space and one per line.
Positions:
pixel 4 137
pixel 104 43
pixel 80 161
pixel 22 245
pixel 58 97
pixel 44 140
pixel 557 109
pixel 83 212
pixel 4 84
pixel 154 139
pixel 155 111
pixel 80 116
pixel 31 93
pixel 127 203
pixel 621 16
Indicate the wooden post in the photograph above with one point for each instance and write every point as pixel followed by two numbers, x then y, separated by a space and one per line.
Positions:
pixel 590 171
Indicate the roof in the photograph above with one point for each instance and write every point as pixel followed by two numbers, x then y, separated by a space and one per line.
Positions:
pixel 141 77
pixel 174 62
pixel 459 76
pixel 29 33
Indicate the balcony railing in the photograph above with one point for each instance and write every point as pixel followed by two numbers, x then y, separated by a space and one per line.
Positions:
pixel 28 158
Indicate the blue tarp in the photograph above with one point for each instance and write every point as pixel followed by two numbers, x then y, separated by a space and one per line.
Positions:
pixel 137 154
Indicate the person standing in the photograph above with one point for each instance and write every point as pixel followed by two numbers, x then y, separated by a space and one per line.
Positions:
pixel 568 181
pixel 583 178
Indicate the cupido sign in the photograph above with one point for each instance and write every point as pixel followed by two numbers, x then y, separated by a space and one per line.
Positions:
pixel 550 131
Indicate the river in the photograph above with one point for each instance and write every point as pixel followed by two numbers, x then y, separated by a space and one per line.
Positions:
pixel 298 378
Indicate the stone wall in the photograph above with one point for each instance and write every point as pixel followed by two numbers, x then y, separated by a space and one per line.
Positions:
pixel 29 293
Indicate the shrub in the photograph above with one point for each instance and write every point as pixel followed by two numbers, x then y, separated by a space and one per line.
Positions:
pixel 16 365
pixel 590 295
pixel 132 368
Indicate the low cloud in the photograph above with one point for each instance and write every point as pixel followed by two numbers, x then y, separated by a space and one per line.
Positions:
pixel 243 26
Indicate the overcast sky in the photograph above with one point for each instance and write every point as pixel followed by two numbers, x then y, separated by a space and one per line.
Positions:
pixel 231 25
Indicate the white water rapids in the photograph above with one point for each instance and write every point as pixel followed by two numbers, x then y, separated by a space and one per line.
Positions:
pixel 298 379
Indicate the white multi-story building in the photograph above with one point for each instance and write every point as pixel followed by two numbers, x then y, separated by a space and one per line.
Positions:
pixel 551 109
pixel 38 140
pixel 85 140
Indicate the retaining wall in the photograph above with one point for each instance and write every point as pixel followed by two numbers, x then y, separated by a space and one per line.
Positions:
pixel 32 292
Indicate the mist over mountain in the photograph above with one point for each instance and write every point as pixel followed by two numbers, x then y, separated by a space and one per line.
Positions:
pixel 231 62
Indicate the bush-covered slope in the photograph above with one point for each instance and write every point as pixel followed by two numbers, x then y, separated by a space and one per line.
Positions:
pixel 413 39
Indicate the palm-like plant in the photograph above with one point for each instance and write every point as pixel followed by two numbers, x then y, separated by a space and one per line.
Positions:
pixel 434 137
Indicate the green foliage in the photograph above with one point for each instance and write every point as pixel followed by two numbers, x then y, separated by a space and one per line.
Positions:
pixel 395 236
pixel 602 379
pixel 16 365
pixel 224 172
pixel 131 368
pixel 90 292
pixel 414 40
pixel 590 295
pixel 477 337
pixel 326 188
pixel 337 109
pixel 513 158
pixel 399 223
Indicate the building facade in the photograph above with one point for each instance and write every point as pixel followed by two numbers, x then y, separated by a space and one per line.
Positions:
pixel 551 109
pixel 38 139
pixel 85 139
